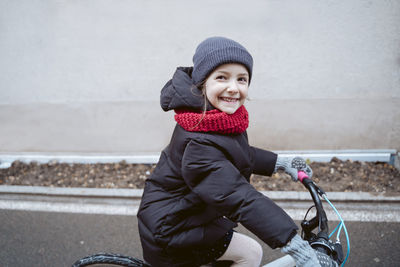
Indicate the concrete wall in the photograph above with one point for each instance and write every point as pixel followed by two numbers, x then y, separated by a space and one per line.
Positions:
pixel 85 76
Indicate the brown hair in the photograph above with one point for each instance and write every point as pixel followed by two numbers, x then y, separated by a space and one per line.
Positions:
pixel 201 86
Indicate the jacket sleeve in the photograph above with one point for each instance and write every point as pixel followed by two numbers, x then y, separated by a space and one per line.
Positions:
pixel 264 161
pixel 217 182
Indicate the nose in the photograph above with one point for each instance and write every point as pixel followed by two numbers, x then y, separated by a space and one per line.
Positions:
pixel 232 87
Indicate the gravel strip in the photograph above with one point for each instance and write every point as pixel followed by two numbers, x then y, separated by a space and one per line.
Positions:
pixel 336 175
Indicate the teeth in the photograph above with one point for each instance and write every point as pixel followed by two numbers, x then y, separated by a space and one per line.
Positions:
pixel 228 99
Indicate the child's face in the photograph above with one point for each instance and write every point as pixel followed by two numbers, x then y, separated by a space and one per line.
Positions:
pixel 227 87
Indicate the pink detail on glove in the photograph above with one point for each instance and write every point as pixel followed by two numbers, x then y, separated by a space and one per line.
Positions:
pixel 302 175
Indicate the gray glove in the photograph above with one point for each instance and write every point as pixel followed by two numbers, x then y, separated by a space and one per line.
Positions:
pixel 292 166
pixel 305 256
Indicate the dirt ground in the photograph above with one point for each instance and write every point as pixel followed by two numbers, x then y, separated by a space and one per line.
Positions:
pixel 337 175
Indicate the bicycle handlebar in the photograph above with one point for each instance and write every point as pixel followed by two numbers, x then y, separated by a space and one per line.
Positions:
pixel 315 191
pixel 319 241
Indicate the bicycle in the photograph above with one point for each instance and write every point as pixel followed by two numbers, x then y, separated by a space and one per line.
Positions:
pixel 319 241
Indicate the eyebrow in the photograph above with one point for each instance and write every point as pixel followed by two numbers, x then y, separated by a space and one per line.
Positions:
pixel 227 72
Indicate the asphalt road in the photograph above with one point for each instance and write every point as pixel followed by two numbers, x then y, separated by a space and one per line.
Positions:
pixel 58 239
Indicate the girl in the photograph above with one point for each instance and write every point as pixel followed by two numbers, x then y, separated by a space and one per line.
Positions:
pixel 200 188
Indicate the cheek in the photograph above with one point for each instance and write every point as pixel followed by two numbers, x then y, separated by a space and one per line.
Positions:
pixel 212 94
pixel 244 92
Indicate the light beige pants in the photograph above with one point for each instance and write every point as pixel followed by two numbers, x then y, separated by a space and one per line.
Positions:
pixel 244 251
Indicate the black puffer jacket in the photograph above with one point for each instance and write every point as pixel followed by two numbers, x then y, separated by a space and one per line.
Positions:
pixel 200 189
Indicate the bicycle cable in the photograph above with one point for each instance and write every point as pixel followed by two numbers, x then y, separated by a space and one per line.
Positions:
pixel 305 217
pixel 339 228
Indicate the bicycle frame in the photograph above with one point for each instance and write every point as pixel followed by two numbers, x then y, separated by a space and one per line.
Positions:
pixel 285 261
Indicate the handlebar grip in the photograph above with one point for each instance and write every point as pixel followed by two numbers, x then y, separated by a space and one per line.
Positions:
pixel 302 175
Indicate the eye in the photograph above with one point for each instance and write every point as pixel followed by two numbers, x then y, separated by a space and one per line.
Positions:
pixel 220 77
pixel 242 79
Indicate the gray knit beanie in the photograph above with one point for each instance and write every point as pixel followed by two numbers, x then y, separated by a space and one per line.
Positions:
pixel 216 51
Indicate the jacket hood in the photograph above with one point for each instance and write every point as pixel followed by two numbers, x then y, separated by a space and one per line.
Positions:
pixel 180 92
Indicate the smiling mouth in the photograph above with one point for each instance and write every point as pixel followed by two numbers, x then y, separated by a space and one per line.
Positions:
pixel 229 99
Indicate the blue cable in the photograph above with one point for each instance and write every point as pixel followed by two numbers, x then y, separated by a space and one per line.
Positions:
pixel 335 230
pixel 338 234
pixel 340 227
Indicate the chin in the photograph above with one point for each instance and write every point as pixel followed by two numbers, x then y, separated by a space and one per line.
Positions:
pixel 229 110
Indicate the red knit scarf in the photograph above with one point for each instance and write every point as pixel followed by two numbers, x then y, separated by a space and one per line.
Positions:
pixel 214 121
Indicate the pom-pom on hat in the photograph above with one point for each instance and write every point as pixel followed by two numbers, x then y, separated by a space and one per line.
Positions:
pixel 216 51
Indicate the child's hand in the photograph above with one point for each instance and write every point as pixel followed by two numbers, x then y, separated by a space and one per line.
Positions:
pixel 292 166
pixel 305 256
